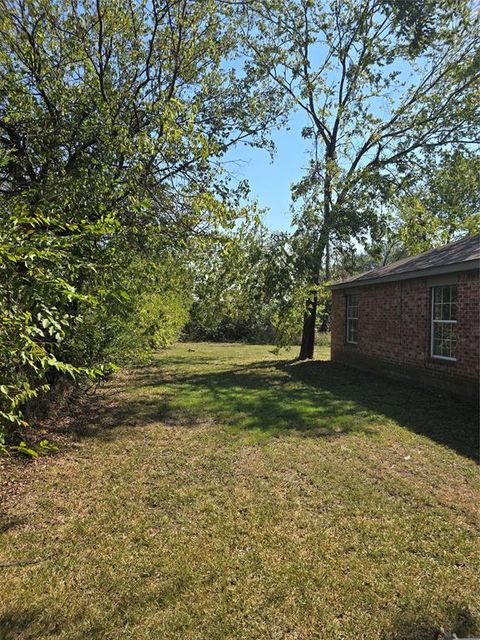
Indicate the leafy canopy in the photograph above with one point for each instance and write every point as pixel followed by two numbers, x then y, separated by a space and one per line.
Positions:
pixel 114 117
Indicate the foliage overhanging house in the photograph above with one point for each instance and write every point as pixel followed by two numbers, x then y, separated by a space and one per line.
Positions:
pixel 417 319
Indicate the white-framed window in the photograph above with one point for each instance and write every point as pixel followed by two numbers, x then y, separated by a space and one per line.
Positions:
pixel 444 322
pixel 351 327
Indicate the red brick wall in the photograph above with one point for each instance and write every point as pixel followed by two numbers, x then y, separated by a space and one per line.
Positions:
pixel 394 332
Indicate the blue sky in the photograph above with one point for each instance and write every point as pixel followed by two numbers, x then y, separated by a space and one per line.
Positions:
pixel 270 181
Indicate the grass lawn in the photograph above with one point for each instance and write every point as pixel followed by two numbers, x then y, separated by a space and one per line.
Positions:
pixel 225 493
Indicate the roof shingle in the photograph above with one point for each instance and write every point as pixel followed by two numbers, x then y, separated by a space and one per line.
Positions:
pixel 464 254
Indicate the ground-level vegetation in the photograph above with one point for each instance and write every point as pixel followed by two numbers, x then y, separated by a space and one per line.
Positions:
pixel 225 492
pixel 125 222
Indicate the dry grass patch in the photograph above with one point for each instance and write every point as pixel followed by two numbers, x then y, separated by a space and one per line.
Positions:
pixel 223 493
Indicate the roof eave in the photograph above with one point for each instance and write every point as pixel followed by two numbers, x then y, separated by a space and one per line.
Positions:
pixel 467 265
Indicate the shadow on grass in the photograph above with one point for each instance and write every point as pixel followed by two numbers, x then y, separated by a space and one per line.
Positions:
pixel 9 522
pixel 12 625
pixel 315 399
pixel 19 624
pixel 416 625
pixel 448 420
pixel 36 623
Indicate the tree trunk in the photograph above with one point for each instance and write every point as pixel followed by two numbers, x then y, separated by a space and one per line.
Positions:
pixel 325 326
pixel 327 261
pixel 307 347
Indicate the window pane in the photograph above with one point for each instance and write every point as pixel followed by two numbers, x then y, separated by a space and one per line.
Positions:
pixel 352 306
pixel 445 303
pixel 352 330
pixel 446 307
pixel 437 341
pixel 444 339
pixel 351 326
pixel 437 311
pixel 453 314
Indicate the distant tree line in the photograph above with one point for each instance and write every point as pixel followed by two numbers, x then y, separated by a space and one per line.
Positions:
pixel 255 290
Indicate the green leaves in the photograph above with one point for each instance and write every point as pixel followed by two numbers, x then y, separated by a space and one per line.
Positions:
pixel 442 206
pixel 113 116
pixel 382 85
pixel 43 448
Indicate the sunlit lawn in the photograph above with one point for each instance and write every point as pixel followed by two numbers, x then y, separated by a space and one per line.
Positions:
pixel 225 493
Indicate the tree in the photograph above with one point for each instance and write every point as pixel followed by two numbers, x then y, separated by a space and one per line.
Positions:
pixel 249 287
pixel 444 205
pixel 114 117
pixel 381 83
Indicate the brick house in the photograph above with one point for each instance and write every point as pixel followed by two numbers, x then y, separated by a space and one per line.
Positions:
pixel 417 319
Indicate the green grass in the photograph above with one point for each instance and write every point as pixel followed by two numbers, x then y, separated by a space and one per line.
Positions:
pixel 223 492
